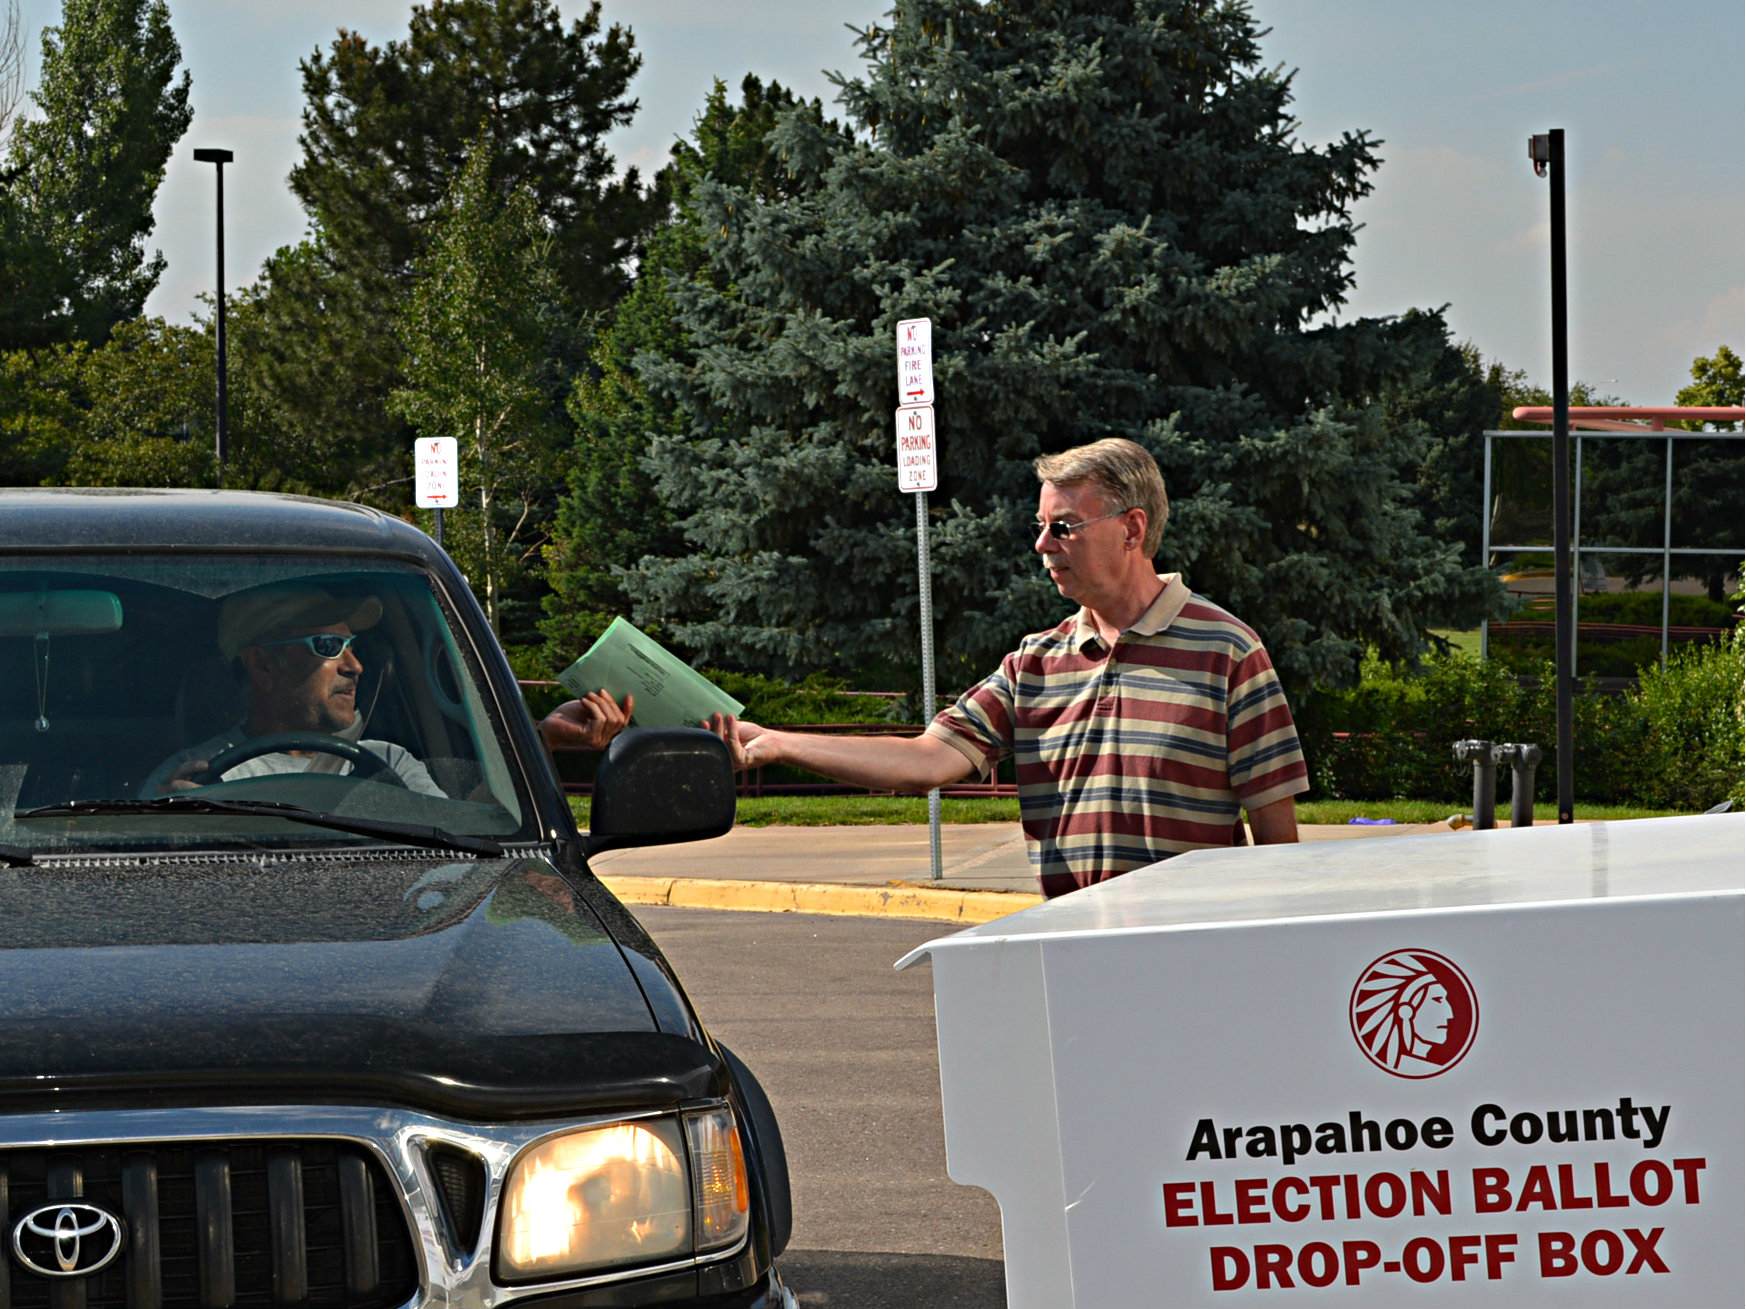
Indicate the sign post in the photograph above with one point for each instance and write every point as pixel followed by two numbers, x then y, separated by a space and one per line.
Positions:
pixel 436 477
pixel 918 471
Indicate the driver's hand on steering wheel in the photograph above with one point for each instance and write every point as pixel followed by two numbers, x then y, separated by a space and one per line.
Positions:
pixel 181 779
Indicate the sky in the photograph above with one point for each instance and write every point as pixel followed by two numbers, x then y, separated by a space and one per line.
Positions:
pixel 1649 95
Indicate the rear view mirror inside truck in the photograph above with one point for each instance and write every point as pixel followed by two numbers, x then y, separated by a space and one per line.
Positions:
pixel 59 613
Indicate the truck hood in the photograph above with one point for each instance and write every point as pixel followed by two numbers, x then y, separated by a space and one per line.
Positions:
pixel 484 988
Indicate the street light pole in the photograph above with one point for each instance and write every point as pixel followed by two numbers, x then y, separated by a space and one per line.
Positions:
pixel 222 439
pixel 1547 154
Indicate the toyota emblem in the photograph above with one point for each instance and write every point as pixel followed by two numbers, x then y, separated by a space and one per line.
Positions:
pixel 69 1239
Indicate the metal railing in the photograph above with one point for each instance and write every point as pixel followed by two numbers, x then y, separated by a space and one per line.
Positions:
pixel 1666 550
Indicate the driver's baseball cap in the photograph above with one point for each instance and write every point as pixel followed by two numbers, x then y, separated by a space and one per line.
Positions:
pixel 264 612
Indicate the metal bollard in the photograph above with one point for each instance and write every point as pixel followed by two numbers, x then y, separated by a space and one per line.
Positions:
pixel 1479 754
pixel 1522 760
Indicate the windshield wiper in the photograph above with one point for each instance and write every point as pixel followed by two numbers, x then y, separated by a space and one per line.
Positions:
pixel 411 833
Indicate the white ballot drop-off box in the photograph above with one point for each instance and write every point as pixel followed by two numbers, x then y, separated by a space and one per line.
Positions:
pixel 1489 1068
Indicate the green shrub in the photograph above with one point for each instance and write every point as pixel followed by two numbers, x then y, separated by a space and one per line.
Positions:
pixel 1693 713
pixel 1621 658
pixel 1613 763
pixel 1644 608
pixel 1640 607
pixel 818 699
pixel 1390 736
pixel 1676 742
pixel 1598 656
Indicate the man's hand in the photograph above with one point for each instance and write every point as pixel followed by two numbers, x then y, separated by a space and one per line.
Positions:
pixel 743 741
pixel 182 778
pixel 587 724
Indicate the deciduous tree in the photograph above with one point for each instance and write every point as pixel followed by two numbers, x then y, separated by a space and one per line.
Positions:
pixel 319 351
pixel 11 66
pixel 151 408
pixel 42 406
pixel 1716 382
pixel 1630 480
pixel 81 175
pixel 476 333
pixel 385 130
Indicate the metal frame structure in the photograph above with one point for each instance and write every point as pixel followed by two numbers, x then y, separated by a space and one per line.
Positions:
pixel 1667 549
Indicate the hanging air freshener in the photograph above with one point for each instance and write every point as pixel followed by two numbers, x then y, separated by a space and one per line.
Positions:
pixel 42 664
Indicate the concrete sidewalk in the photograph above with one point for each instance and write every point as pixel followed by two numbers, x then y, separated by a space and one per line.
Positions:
pixel 875 870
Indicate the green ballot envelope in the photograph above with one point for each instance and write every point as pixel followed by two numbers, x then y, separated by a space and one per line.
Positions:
pixel 669 692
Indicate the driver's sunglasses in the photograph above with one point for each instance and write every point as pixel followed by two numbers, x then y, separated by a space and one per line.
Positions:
pixel 1062 530
pixel 323 645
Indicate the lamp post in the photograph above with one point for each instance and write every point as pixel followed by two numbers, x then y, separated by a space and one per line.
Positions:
pixel 221 441
pixel 1547 154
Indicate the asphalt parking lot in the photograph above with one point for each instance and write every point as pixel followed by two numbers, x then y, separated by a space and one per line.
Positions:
pixel 845 1047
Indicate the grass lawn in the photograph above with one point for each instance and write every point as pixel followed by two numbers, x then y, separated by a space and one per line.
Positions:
pixel 857 810
pixel 1468 641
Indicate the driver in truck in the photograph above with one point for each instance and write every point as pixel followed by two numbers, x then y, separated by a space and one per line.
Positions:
pixel 293 643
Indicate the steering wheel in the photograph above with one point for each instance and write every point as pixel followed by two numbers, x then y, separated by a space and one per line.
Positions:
pixel 365 763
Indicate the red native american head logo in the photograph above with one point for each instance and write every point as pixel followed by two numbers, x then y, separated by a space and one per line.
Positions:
pixel 1414 1013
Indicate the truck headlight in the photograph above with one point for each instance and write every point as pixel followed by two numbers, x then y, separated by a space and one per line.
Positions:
pixel 628 1193
pixel 595 1199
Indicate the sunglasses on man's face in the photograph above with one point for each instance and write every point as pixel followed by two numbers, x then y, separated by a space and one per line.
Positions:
pixel 323 645
pixel 1062 530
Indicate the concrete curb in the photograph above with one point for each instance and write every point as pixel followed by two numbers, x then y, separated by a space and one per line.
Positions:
pixel 963 907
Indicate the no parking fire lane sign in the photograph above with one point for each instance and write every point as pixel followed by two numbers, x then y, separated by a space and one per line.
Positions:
pixel 436 474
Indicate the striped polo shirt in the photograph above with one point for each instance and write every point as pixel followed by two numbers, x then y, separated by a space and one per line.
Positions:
pixel 1131 755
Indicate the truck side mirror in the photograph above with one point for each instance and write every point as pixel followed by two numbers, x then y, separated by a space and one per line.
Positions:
pixel 659 786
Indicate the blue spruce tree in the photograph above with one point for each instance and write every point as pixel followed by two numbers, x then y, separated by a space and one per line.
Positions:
pixel 1104 208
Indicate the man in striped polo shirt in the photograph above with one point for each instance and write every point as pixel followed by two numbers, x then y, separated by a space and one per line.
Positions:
pixel 1138 726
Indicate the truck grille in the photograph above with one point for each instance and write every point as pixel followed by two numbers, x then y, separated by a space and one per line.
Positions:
pixel 221 1225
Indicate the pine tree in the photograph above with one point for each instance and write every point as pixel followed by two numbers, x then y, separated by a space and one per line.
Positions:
pixel 612 516
pixel 76 201
pixel 1455 398
pixel 1103 207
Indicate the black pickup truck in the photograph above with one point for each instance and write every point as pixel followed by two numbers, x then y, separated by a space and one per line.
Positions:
pixel 307 995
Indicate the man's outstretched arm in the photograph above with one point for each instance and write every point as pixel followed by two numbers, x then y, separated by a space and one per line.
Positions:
pixel 881 763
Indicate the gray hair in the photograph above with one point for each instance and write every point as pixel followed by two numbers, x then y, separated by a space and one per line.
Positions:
pixel 1125 475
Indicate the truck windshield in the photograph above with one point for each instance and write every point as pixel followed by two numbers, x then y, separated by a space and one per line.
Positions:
pixel 341 687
